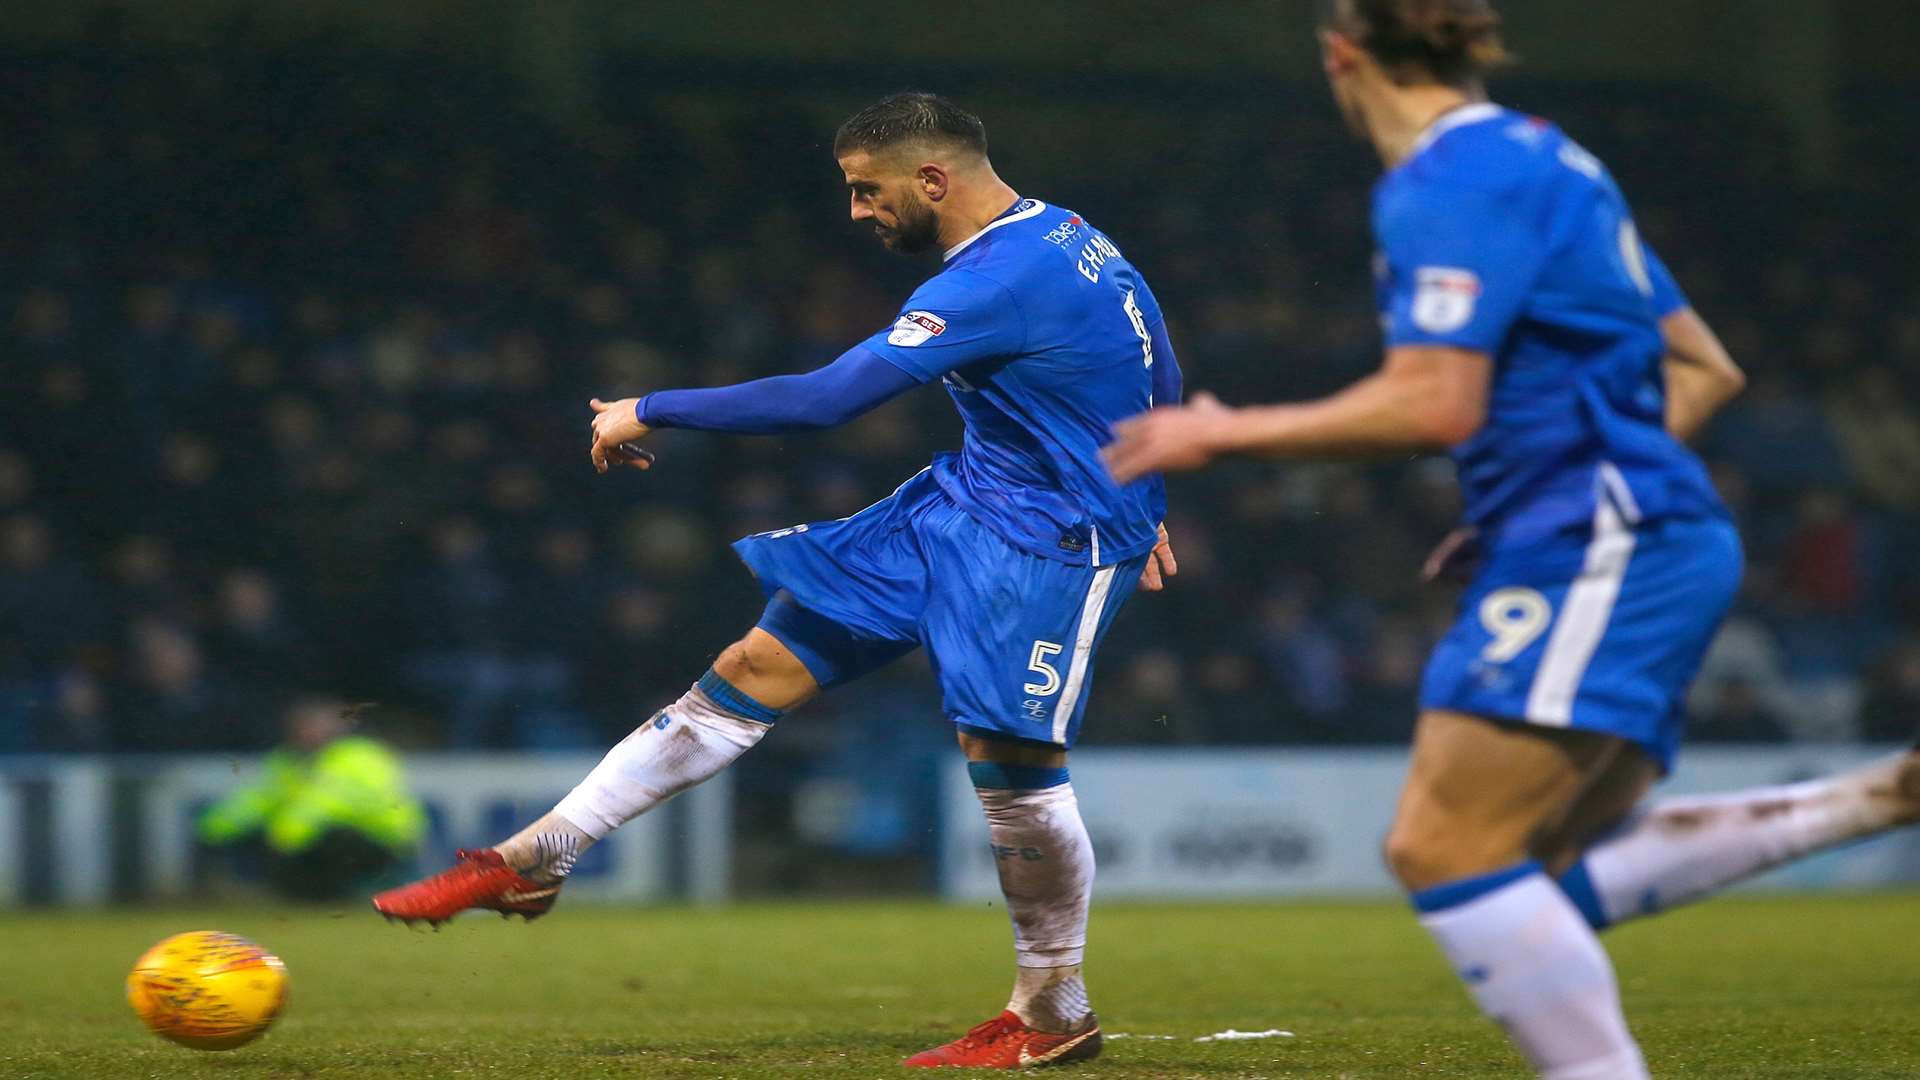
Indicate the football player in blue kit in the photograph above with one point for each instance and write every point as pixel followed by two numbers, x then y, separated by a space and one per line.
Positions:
pixel 1006 561
pixel 1531 332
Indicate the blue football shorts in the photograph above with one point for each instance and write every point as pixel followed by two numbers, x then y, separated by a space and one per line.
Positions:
pixel 1601 632
pixel 1011 635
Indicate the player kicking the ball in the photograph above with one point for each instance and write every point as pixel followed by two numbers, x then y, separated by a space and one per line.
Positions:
pixel 1007 561
pixel 1531 332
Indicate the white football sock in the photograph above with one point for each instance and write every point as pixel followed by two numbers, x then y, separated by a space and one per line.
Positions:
pixel 1536 968
pixel 1681 849
pixel 1046 872
pixel 1050 998
pixel 680 746
pixel 545 850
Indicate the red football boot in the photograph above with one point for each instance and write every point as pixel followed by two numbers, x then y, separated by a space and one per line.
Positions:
pixel 480 879
pixel 1006 1042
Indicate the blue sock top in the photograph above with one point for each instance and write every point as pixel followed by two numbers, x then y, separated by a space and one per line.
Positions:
pixel 1578 885
pixel 729 697
pixel 992 774
pixel 1454 893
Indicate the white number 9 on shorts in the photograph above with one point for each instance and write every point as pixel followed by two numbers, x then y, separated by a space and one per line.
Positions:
pixel 1515 617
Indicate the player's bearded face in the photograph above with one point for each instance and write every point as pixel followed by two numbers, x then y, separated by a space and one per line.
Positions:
pixel 915 229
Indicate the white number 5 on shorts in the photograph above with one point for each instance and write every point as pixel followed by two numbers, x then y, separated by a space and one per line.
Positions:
pixel 1049 673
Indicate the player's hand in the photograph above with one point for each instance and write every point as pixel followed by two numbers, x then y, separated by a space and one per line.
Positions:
pixel 617 432
pixel 1172 438
pixel 1161 564
pixel 1455 559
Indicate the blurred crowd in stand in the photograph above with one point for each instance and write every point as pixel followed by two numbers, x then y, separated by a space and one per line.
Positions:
pixel 297 349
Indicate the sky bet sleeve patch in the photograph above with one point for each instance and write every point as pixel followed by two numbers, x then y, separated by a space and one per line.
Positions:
pixel 916 328
pixel 1444 298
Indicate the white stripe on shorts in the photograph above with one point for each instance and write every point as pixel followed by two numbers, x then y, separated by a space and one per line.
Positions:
pixel 1090 614
pixel 1583 618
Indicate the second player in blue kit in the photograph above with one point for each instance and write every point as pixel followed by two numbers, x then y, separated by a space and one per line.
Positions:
pixel 1608 560
pixel 1007 561
pixel 1533 335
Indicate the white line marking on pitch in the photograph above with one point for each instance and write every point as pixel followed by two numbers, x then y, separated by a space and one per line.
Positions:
pixel 1230 1035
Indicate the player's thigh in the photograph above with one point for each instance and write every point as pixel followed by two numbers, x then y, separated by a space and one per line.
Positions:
pixel 845 596
pixel 1478 792
pixel 832 652
pixel 1603 805
pixel 1010 751
pixel 764 669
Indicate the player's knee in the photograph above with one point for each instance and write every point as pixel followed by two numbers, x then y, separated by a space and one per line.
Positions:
pixel 761 668
pixel 735 663
pixel 755 658
pixel 1410 857
pixel 1422 854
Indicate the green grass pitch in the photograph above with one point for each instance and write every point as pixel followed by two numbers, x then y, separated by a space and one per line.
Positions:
pixel 1744 987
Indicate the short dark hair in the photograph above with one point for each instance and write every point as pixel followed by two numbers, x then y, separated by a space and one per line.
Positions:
pixel 910 116
pixel 1455 41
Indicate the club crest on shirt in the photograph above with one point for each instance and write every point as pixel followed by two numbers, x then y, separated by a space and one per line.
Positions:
pixel 916 328
pixel 1444 298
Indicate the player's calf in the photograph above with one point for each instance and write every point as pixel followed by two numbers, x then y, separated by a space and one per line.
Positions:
pixel 1045 862
pixel 680 746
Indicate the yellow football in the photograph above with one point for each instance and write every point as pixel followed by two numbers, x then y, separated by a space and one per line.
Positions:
pixel 207 989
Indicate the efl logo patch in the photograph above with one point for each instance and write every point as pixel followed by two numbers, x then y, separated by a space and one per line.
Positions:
pixel 1444 298
pixel 916 328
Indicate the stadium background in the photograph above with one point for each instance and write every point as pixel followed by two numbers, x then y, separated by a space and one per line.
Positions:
pixel 302 305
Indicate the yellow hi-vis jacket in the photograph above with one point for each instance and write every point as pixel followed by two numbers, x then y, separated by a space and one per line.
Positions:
pixel 352 783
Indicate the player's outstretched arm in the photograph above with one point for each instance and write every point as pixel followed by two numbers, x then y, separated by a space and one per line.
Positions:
pixel 1701 376
pixel 856 383
pixel 1426 397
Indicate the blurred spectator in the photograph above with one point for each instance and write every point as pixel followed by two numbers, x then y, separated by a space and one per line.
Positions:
pixel 1881 437
pixel 330 813
pixel 61 713
pixel 253 636
pixel 1824 568
pixel 171 702
pixel 1891 709
pixel 1303 656
pixel 1780 438
pixel 16 481
pixel 77 721
pixel 1739 713
pixel 47 605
